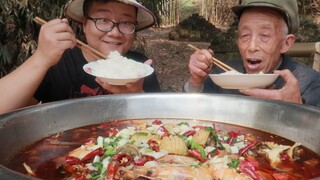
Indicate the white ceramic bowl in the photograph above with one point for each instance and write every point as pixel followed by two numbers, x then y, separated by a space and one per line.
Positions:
pixel 243 81
pixel 91 68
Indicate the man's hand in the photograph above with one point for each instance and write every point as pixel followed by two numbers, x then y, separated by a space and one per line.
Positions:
pixel 200 66
pixel 290 92
pixel 55 37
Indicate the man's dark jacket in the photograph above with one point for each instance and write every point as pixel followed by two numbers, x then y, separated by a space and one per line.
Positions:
pixel 309 80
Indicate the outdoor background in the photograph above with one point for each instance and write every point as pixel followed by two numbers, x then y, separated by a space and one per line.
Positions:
pixel 204 23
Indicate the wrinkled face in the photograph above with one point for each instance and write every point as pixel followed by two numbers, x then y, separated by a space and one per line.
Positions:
pixel 261 39
pixel 113 40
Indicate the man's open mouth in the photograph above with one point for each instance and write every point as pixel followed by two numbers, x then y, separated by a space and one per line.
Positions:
pixel 254 61
pixel 253 64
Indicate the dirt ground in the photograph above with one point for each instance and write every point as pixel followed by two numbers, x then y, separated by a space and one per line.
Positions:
pixel 170 58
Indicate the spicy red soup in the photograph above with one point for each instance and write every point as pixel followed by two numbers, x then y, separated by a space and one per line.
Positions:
pixel 163 149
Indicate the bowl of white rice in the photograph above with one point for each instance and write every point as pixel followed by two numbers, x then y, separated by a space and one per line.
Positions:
pixel 117 69
pixel 237 80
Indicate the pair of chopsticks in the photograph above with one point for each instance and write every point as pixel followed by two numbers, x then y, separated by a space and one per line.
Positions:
pixel 215 61
pixel 95 53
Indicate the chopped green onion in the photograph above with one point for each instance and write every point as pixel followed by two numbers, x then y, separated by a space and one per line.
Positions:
pixel 234 163
pixel 216 138
pixel 183 137
pixel 214 152
pixel 104 172
pixel 98 165
pixel 109 152
pixel 88 176
pixel 141 134
pixel 95 175
pixel 115 142
pixel 148 151
pixel 197 146
pixel 183 123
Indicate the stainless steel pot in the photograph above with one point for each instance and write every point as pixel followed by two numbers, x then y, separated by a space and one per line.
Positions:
pixel 23 127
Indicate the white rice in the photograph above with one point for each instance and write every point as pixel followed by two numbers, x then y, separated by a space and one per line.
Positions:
pixel 232 72
pixel 119 67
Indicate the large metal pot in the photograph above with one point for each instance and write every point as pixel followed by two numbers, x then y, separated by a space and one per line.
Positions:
pixel 23 127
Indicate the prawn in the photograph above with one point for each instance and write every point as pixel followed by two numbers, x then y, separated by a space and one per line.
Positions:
pixel 228 173
pixel 167 167
pixel 177 159
pixel 173 172
pixel 219 169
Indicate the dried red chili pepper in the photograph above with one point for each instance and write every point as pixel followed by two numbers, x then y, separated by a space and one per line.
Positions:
pixel 122 159
pixel 145 158
pixel 246 148
pixel 249 168
pixel 82 177
pixel 153 144
pixel 112 132
pixel 163 131
pixel 148 158
pixel 189 133
pixel 71 160
pixel 139 162
pixel 91 155
pixel 111 171
pixel 200 127
pixel 157 122
pixel 196 154
pixel 232 135
pixel 284 156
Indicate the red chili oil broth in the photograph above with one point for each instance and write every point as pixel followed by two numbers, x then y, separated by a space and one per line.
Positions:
pixel 45 158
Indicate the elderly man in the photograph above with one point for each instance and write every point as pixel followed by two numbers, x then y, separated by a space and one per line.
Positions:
pixel 265 33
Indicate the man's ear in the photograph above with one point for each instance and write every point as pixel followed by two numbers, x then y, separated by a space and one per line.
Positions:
pixel 287 43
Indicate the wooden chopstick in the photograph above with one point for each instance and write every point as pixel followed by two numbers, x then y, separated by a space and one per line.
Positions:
pixel 215 61
pixel 95 53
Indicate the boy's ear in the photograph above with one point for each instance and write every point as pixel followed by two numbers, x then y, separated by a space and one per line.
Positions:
pixel 84 21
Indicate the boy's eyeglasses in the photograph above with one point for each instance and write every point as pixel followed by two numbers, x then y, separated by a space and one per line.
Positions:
pixel 106 25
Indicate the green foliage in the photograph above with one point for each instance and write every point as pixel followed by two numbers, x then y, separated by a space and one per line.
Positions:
pixel 19 33
pixel 155 7
pixel 188 7
pixel 309 31
pixel 160 8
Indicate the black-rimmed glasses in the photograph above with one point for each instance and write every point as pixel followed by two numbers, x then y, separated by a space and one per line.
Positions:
pixel 106 25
